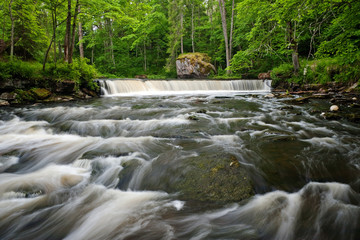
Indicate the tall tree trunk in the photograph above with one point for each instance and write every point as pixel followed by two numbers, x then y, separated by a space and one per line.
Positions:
pixel 67 33
pixel 72 42
pixel 54 22
pixel 81 45
pixel 111 47
pixel 231 30
pixel 92 55
pixel 181 30
pixel 12 31
pixel 192 27
pixel 47 53
pixel 60 52
pixel 294 48
pixel 144 57
pixel 224 27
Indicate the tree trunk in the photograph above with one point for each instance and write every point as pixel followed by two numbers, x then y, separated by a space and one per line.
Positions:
pixel 47 53
pixel 192 27
pixel 72 42
pixel 294 48
pixel 54 20
pixel 144 57
pixel 295 60
pixel 92 55
pixel 231 30
pixel 224 27
pixel 67 33
pixel 12 31
pixel 181 30
pixel 60 52
pixel 81 45
pixel 111 47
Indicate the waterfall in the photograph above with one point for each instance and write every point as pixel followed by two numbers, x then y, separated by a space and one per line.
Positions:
pixel 119 87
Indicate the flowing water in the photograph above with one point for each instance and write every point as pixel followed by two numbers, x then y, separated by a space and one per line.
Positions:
pixel 104 168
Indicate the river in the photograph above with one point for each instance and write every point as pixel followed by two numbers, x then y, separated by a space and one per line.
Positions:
pixel 112 167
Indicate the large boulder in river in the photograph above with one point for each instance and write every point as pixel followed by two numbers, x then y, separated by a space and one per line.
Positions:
pixel 194 65
pixel 217 178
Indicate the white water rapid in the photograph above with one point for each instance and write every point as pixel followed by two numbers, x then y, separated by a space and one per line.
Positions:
pixel 198 166
pixel 126 87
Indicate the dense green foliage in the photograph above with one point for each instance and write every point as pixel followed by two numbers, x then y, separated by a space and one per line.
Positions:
pixel 125 38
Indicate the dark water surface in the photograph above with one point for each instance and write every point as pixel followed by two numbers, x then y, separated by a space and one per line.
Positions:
pixel 102 169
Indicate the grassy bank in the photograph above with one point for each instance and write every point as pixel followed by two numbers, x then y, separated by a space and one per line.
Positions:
pixel 80 72
pixel 319 71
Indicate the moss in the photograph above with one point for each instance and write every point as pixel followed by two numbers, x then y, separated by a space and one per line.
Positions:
pixel 195 56
pixel 215 178
pixel 40 93
pixel 23 96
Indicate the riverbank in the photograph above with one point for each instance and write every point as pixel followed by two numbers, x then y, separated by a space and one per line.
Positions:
pixel 43 95
pixel 25 92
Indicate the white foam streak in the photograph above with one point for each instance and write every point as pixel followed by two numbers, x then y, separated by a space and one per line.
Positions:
pixel 115 211
pixel 46 180
pixel 125 127
pixel 24 127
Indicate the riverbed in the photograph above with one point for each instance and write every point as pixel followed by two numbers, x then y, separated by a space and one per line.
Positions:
pixel 119 167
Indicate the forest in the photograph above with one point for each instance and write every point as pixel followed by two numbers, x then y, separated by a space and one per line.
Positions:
pixel 302 41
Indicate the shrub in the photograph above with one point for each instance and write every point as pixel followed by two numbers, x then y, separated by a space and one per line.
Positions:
pixel 284 72
pixel 17 69
pixel 4 71
pixel 78 71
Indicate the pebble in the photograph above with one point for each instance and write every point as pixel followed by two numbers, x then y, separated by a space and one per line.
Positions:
pixel 334 108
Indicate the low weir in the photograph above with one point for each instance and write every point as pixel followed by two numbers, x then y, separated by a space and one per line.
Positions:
pixel 148 87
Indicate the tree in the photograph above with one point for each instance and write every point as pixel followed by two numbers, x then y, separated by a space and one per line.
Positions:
pixel 176 31
pixel 12 30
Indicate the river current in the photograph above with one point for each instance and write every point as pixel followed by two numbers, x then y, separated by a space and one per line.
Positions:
pixel 103 168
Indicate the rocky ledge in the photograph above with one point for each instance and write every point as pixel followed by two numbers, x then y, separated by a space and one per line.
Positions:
pixel 343 101
pixel 61 92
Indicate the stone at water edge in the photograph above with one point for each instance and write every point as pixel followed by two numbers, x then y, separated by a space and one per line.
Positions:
pixel 270 95
pixel 334 108
pixel 4 103
pixel 194 65
pixel 8 96
pixel 40 93
pixel 352 88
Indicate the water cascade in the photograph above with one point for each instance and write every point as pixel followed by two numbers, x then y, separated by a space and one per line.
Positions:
pixel 121 87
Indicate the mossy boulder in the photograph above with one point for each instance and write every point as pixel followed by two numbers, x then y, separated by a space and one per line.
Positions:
pixel 194 65
pixel 40 93
pixel 32 95
pixel 216 178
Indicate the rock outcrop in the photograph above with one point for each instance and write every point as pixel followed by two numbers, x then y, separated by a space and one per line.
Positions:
pixel 266 75
pixel 194 65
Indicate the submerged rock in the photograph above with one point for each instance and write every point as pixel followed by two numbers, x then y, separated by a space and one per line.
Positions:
pixel 215 178
pixel 194 65
pixel 208 177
